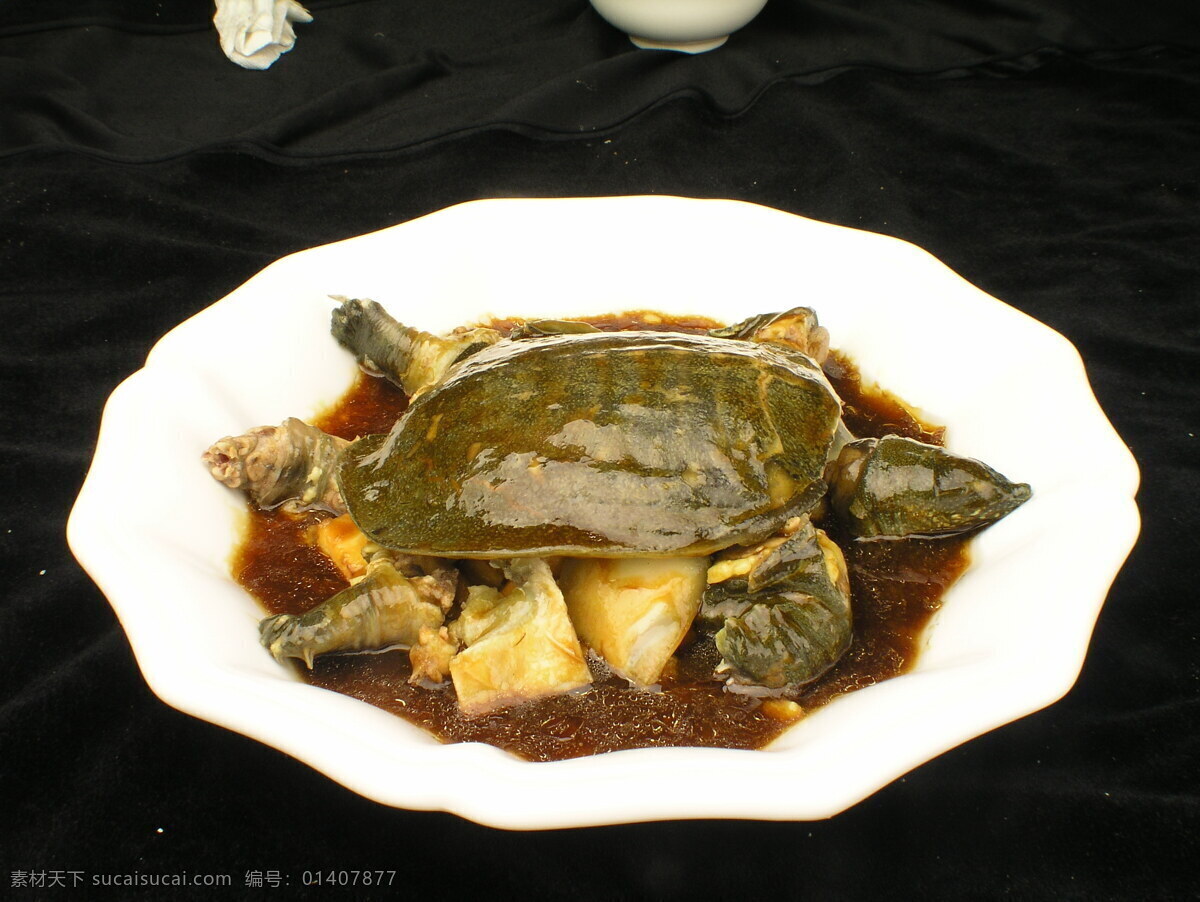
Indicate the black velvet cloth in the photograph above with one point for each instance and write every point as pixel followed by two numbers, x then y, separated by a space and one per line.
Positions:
pixel 1048 150
pixel 139 81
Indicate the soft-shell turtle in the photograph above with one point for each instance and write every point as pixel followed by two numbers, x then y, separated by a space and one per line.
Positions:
pixel 564 440
pixel 598 444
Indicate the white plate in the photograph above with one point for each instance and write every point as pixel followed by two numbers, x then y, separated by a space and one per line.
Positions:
pixel 155 531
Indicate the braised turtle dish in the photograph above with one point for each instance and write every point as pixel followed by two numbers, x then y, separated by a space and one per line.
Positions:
pixel 567 537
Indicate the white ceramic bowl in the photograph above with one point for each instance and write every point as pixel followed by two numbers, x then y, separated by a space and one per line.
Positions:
pixel 692 26
pixel 1009 639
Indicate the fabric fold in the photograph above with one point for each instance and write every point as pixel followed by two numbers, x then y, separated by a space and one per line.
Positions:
pixel 373 75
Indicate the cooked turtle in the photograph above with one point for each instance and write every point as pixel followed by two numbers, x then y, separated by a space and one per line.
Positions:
pixel 561 439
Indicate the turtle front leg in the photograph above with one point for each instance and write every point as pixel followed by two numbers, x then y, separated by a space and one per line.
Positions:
pixel 782 608
pixel 398 597
pixel 407 357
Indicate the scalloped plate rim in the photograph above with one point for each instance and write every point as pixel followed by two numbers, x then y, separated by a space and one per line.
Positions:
pixel 483 782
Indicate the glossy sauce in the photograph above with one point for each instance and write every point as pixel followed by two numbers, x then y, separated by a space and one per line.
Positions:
pixel 896 587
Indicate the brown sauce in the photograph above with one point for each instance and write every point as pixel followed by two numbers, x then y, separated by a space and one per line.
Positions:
pixel 896 587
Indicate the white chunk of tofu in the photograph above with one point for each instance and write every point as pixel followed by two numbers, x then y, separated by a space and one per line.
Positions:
pixel 520 646
pixel 634 612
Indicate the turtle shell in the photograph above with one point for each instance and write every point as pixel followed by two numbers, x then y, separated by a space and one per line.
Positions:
pixel 600 444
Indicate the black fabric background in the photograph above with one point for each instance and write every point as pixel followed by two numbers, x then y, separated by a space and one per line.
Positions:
pixel 1048 150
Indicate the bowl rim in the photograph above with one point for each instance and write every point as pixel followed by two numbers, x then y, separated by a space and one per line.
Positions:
pixel 491 786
